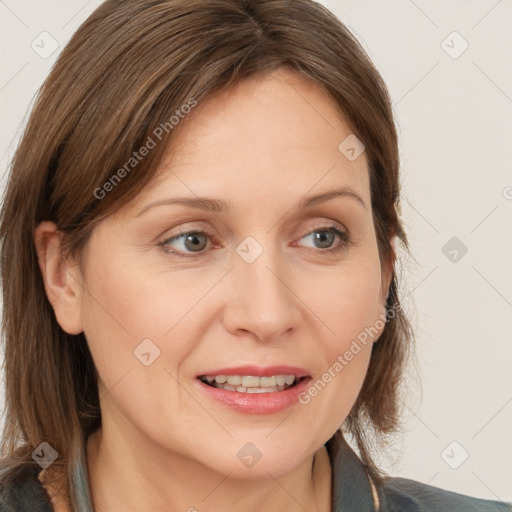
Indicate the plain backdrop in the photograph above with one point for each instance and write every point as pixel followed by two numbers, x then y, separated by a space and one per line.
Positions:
pixel 447 65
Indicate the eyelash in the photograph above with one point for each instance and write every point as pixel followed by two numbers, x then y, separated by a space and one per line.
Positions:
pixel 344 236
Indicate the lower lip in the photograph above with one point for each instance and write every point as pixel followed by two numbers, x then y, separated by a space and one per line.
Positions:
pixel 257 403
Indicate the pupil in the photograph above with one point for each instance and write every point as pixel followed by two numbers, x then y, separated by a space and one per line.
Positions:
pixel 321 236
pixel 194 239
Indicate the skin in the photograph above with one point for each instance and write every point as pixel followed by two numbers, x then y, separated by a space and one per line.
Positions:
pixel 262 146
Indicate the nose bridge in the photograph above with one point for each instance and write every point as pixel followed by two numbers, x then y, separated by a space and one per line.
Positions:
pixel 262 302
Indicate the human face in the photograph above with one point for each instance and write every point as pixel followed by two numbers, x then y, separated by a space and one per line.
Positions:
pixel 212 301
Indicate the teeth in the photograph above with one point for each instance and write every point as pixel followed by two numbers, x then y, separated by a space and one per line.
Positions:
pixel 262 390
pixel 270 381
pixel 251 383
pixel 235 380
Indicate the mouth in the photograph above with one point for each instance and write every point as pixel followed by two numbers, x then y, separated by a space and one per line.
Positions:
pixel 253 389
pixel 250 384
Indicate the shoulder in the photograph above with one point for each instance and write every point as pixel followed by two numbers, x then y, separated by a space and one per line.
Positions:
pixel 401 494
pixel 23 492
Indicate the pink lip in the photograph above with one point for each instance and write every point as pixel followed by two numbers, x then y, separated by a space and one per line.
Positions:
pixel 257 371
pixel 257 403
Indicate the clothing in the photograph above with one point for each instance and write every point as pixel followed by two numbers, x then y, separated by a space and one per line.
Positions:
pixel 351 491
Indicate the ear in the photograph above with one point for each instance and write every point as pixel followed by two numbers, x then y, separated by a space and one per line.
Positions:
pixel 61 278
pixel 387 272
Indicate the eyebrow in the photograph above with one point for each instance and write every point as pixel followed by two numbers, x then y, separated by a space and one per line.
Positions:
pixel 218 206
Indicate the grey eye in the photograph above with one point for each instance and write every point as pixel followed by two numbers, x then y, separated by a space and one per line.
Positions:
pixel 324 238
pixel 190 242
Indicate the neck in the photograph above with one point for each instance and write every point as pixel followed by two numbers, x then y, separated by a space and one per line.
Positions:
pixel 139 477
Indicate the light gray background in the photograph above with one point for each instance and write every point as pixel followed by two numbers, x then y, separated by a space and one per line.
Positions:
pixel 455 129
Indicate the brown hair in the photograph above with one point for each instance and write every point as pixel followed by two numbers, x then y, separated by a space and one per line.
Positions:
pixel 125 72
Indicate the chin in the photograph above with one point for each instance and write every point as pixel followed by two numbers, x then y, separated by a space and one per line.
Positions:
pixel 258 459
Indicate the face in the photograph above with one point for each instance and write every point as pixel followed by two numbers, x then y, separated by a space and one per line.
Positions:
pixel 269 279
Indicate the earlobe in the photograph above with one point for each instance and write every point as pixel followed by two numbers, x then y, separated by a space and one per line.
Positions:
pixel 61 280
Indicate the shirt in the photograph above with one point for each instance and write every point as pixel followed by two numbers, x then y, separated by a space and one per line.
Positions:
pixel 352 490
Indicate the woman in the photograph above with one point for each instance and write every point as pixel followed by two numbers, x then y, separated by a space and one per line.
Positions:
pixel 198 248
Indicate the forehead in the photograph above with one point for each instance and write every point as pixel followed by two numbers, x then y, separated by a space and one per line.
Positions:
pixel 271 133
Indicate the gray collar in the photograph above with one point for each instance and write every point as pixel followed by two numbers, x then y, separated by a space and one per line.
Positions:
pixel 351 487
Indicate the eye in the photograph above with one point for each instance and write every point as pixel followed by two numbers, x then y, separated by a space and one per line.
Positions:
pixel 196 241
pixel 193 241
pixel 325 236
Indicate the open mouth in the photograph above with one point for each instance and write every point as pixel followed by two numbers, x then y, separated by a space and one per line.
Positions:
pixel 250 383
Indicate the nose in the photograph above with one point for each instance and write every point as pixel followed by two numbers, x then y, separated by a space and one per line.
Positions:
pixel 260 299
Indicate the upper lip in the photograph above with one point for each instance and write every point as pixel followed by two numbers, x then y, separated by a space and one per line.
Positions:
pixel 258 371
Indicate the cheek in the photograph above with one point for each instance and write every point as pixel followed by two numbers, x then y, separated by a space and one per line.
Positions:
pixel 349 302
pixel 129 302
pixel 123 306
pixel 358 322
pixel 126 306
pixel 351 311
